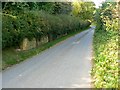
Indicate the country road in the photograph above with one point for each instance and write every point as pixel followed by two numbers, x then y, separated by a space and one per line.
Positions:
pixel 65 65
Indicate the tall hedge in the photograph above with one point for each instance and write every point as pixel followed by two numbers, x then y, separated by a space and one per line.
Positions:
pixel 35 24
pixel 105 70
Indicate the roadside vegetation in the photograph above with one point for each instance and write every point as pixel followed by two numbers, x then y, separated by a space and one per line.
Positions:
pixel 11 56
pixel 56 20
pixel 105 69
pixel 35 24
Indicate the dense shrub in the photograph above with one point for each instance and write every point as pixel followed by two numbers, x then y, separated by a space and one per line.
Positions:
pixel 35 24
pixel 105 70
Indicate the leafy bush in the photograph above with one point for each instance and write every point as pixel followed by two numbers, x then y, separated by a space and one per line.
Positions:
pixel 105 70
pixel 35 24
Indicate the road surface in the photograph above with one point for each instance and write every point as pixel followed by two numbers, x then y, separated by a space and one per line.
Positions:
pixel 65 65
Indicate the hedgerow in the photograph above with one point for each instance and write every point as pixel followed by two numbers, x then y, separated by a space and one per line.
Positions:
pixel 105 69
pixel 35 24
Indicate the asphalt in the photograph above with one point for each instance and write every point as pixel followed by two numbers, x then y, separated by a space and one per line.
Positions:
pixel 65 65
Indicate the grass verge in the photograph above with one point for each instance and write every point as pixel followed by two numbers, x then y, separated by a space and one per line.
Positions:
pixel 11 57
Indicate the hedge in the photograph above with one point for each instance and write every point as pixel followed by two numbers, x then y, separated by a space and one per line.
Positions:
pixel 105 69
pixel 35 24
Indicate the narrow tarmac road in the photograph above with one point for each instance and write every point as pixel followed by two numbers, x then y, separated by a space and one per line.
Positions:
pixel 65 65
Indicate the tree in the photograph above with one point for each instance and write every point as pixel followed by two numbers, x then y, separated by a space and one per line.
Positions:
pixel 84 10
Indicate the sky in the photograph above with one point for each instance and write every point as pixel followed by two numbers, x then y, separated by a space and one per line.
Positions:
pixel 98 2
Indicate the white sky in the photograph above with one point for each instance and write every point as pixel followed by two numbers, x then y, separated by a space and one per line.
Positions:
pixel 98 2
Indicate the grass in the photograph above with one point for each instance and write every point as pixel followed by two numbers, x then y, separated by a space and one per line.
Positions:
pixel 11 57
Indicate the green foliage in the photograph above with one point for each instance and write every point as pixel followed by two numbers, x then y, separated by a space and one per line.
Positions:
pixel 14 7
pixel 50 7
pixel 10 56
pixel 105 70
pixel 35 24
pixel 87 11
pixel 84 10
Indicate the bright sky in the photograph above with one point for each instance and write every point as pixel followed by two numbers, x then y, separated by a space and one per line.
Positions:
pixel 98 2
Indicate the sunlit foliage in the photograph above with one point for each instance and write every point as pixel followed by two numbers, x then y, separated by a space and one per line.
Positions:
pixel 84 10
pixel 105 70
